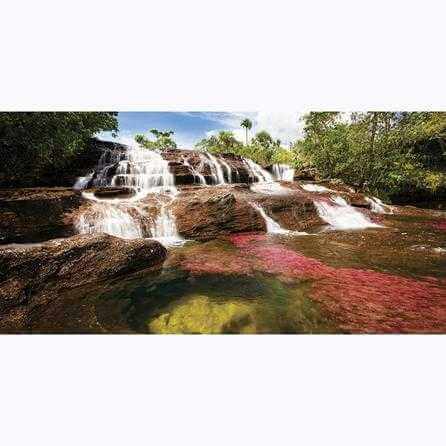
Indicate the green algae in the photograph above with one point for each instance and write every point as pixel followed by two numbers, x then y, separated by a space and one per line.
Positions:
pixel 198 314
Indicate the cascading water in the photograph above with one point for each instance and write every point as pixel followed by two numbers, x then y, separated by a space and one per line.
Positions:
pixel 340 215
pixel 377 206
pixel 315 188
pixel 195 172
pixel 112 217
pixel 261 175
pixel 228 169
pixel 82 182
pixel 283 172
pixel 145 172
pixel 265 183
pixel 272 227
pixel 216 170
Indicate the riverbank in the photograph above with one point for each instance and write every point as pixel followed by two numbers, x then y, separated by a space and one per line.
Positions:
pixel 185 242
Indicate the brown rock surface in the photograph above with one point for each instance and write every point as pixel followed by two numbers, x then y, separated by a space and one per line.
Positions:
pixel 198 161
pixel 36 214
pixel 32 275
pixel 205 213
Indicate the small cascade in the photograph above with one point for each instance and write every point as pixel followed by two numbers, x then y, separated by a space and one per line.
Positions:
pixel 265 183
pixel 315 188
pixel 227 168
pixel 272 227
pixel 261 175
pixel 164 228
pixel 283 172
pixel 195 172
pixel 340 215
pixel 82 182
pixel 144 171
pixel 112 219
pixel 377 206
pixel 216 170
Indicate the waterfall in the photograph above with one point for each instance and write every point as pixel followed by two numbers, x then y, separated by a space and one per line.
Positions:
pixel 377 206
pixel 194 171
pixel 216 170
pixel 315 188
pixel 164 228
pixel 261 175
pixel 283 172
pixel 265 183
pixel 113 219
pixel 228 169
pixel 272 227
pixel 82 182
pixel 143 171
pixel 340 215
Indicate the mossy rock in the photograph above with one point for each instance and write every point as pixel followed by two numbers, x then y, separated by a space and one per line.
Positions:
pixel 198 314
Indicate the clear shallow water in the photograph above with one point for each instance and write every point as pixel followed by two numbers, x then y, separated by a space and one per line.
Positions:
pixel 373 281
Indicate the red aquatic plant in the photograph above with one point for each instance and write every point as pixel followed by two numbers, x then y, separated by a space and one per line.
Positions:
pixel 440 225
pixel 360 300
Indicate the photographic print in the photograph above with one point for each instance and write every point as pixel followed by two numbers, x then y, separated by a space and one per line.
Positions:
pixel 207 222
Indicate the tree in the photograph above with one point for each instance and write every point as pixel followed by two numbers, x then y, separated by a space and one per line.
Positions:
pixel 34 143
pixel 247 124
pixel 163 140
pixel 223 142
pixel 387 153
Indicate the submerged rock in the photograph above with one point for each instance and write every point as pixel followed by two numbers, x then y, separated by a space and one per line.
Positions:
pixel 32 275
pixel 199 314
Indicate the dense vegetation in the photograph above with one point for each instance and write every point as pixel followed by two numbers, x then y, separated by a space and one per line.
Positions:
pixel 387 153
pixel 262 148
pixel 32 143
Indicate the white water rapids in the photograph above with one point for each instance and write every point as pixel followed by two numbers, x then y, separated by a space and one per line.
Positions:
pixel 265 183
pixel 340 215
pixel 377 206
pixel 283 172
pixel 272 227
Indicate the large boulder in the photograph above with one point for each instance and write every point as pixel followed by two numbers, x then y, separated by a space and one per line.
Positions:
pixel 206 213
pixel 33 274
pixel 36 214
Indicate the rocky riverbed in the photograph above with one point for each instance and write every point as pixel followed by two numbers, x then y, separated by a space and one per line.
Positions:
pixel 187 242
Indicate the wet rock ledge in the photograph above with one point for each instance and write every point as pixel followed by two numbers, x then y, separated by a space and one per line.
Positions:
pixel 32 275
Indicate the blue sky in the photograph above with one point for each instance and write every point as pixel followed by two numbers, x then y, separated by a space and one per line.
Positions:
pixel 190 127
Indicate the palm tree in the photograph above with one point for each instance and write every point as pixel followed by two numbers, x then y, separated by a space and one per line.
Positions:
pixel 248 126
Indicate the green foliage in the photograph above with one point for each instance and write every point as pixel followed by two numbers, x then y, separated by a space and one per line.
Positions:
pixel 262 149
pixel 223 142
pixel 384 152
pixel 163 140
pixel 35 142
